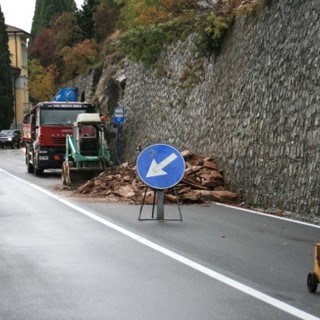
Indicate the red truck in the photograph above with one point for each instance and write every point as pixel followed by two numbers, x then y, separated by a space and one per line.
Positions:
pixel 44 133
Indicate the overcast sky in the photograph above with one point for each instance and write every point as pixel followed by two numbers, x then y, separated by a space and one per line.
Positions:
pixel 19 13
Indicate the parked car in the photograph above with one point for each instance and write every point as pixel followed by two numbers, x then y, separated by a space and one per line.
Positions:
pixel 10 138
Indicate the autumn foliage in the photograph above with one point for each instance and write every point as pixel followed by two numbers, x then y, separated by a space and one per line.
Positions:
pixel 79 58
pixel 74 41
pixel 43 47
pixel 42 81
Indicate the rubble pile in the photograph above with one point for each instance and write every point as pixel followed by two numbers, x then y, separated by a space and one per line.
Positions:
pixel 202 183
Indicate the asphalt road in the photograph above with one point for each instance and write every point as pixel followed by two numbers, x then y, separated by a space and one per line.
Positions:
pixel 66 258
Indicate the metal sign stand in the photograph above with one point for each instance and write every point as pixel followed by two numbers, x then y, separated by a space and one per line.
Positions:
pixel 118 144
pixel 158 200
pixel 160 167
pixel 118 119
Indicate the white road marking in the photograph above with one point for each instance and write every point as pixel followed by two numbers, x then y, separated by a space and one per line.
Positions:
pixel 269 215
pixel 188 262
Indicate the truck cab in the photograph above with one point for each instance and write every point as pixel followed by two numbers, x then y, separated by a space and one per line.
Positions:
pixel 44 132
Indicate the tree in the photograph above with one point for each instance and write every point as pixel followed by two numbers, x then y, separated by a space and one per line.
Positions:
pixel 65 30
pixel 46 10
pixel 43 47
pixel 79 58
pixel 48 44
pixel 85 20
pixel 6 85
pixel 41 81
pixel 105 18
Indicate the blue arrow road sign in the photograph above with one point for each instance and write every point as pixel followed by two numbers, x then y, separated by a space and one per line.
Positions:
pixel 160 166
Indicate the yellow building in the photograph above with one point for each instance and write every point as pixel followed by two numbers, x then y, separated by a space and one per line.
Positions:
pixel 19 66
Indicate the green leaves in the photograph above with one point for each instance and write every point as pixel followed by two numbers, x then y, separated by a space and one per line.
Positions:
pixel 215 28
pixel 212 28
pixel 41 81
pixel 79 58
pixel 145 27
pixel 46 10
pixel 144 43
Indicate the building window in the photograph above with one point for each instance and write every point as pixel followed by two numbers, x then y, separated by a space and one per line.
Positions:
pixel 24 55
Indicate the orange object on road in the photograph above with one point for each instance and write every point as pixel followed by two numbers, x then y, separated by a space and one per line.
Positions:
pixel 314 277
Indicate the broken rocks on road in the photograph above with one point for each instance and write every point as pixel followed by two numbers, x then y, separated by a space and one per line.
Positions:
pixel 202 183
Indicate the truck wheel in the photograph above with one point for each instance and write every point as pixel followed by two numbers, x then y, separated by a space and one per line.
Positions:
pixel 312 282
pixel 30 167
pixel 65 175
pixel 37 171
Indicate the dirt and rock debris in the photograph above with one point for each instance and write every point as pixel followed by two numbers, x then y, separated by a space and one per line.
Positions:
pixel 202 183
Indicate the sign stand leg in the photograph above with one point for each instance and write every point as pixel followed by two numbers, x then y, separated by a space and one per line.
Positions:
pixel 158 200
pixel 118 144
pixel 175 192
pixel 160 204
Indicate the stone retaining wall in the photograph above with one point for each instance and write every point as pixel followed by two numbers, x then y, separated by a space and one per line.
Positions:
pixel 254 108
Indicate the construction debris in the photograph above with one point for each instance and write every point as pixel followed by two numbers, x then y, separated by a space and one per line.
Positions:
pixel 202 183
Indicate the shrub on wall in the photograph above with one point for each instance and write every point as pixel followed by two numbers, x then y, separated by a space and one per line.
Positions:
pixel 144 43
pixel 212 30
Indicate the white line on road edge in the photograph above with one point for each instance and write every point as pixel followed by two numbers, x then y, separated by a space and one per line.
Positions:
pixel 268 215
pixel 192 264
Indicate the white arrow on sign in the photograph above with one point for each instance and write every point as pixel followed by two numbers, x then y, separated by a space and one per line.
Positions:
pixel 156 169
